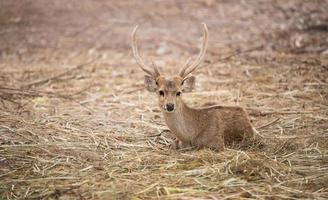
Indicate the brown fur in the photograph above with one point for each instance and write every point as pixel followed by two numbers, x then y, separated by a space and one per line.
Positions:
pixel 212 126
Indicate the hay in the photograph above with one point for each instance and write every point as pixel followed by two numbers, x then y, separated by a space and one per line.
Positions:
pixel 70 151
pixel 90 131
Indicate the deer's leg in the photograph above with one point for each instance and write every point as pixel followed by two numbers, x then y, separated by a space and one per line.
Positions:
pixel 217 143
pixel 176 144
pixel 185 145
pixel 217 147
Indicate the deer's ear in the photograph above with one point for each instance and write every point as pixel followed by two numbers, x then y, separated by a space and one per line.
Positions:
pixel 188 84
pixel 150 83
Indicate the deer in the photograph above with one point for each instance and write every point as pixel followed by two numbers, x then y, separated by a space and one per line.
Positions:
pixel 213 126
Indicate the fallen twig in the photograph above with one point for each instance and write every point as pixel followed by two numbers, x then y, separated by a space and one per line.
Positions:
pixel 57 76
pixel 268 124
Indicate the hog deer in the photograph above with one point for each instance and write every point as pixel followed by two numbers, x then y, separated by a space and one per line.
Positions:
pixel 213 126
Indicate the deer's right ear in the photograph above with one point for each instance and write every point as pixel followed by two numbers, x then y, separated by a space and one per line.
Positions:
pixel 150 83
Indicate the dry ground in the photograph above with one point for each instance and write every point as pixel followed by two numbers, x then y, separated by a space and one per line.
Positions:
pixel 76 122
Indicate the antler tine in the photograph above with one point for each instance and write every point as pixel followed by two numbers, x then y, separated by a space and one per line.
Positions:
pixel 200 56
pixel 156 71
pixel 184 67
pixel 138 58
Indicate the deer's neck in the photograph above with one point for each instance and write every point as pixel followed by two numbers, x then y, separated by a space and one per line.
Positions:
pixel 182 121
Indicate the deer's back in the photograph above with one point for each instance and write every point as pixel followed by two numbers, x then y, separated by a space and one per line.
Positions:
pixel 231 121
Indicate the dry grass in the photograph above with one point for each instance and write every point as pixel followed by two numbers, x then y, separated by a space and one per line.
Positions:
pixel 113 142
pixel 79 125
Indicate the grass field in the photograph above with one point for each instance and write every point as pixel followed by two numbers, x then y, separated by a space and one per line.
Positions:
pixel 77 123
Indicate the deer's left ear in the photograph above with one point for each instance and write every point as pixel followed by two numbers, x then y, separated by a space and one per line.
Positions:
pixel 188 84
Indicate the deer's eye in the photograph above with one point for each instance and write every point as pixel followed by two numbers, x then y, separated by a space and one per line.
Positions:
pixel 161 92
pixel 178 93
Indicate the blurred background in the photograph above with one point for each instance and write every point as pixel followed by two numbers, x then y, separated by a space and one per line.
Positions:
pixel 169 28
pixel 77 123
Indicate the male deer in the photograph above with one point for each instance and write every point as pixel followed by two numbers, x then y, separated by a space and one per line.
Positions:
pixel 212 126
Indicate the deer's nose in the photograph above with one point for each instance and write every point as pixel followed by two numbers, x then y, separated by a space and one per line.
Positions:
pixel 170 107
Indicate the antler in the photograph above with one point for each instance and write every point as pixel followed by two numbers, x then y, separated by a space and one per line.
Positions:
pixel 138 58
pixel 183 73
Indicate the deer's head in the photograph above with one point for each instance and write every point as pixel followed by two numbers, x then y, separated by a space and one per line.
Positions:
pixel 169 89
